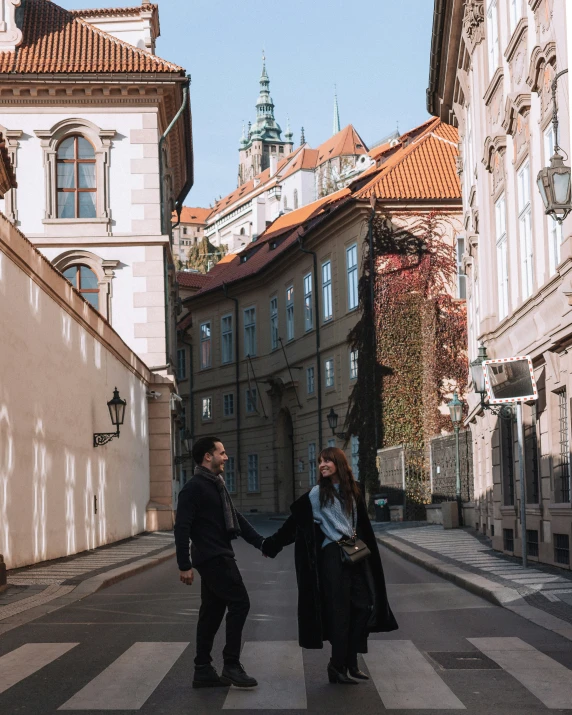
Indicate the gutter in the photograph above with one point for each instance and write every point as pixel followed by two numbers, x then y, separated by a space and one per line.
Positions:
pixel 435 55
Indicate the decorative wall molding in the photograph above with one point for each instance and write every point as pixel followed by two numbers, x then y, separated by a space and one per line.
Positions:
pixel 497 78
pixel 520 30
pixel 474 24
pixel 11 137
pixel 540 57
pixel 101 140
pixel 10 34
pixel 517 104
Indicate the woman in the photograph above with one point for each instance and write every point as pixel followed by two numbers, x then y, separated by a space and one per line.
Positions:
pixel 336 602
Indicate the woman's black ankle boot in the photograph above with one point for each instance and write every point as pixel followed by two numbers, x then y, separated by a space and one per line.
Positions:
pixel 339 676
pixel 357 673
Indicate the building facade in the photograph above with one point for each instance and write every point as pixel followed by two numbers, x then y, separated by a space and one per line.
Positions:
pixel 83 123
pixel 492 68
pixel 188 231
pixel 263 340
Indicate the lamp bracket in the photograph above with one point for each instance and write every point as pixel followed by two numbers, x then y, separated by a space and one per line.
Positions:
pixel 182 459
pixel 505 412
pixel 101 438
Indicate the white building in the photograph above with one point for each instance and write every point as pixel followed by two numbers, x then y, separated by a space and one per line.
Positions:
pixel 83 107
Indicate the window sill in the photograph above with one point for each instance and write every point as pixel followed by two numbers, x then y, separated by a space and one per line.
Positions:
pixel 508 510
pixel 564 509
pixel 73 226
pixel 253 494
pixel 226 418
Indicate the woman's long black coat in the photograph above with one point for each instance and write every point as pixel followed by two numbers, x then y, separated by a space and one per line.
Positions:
pixel 301 530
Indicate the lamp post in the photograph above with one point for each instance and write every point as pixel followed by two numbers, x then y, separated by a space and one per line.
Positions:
pixel 116 408
pixel 478 378
pixel 554 180
pixel 333 423
pixel 456 411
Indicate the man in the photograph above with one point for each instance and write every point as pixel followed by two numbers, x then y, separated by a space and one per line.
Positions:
pixel 206 516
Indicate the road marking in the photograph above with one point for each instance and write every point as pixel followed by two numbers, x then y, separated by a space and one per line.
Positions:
pixel 130 680
pixel 405 680
pixel 28 659
pixel 279 668
pixel 544 677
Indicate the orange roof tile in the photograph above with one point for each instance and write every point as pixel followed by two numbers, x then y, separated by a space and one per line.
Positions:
pixel 193 215
pixel 56 41
pixel 425 169
pixel 115 11
pixel 190 279
pixel 345 143
pixel 290 219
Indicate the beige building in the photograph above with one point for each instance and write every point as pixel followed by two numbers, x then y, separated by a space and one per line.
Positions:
pixel 263 348
pixel 492 67
pixel 188 231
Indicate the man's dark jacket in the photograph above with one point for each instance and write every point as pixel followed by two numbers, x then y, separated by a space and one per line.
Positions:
pixel 200 519
pixel 307 537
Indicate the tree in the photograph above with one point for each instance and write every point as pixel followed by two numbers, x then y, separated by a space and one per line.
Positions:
pixel 204 255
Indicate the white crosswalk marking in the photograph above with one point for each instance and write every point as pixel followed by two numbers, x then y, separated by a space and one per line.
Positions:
pixel 28 659
pixel 405 680
pixel 278 667
pixel 544 677
pixel 130 680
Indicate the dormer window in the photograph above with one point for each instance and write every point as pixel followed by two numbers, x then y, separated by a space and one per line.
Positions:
pixel 76 185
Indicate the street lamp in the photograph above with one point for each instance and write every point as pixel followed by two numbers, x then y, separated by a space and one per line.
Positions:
pixel 116 407
pixel 554 181
pixel 186 440
pixel 333 422
pixel 478 378
pixel 456 411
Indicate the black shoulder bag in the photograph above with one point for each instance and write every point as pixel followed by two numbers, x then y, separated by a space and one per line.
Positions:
pixel 353 550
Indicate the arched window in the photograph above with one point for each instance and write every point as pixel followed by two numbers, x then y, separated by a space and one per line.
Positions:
pixel 76 178
pixel 242 231
pixel 295 198
pixel 85 281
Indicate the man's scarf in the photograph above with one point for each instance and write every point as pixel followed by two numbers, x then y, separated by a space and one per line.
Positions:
pixel 230 518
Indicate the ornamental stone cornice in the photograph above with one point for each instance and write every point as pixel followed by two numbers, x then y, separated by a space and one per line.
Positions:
pixel 473 24
pixel 516 103
pixel 495 144
pixel 538 59
pixel 519 31
pixel 497 78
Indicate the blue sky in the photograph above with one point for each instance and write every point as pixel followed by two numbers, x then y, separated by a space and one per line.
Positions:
pixel 375 51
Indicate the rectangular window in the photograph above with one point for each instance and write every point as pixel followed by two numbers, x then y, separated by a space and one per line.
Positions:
pixel 327 306
pixel 228 404
pixel 308 308
pixel 331 442
pixel 531 456
pixel 181 364
pixel 554 228
pixel 253 479
pixel 508 539
pixel 562 549
pixel 507 463
pixel 330 372
pixel 502 261
pixel 525 229
pixel 230 475
pixel 352 270
pixel 355 455
pixel 274 323
pixel 207 412
pixel 251 401
pixel 353 364
pixel 290 313
pixel 312 471
pixel 492 36
pixel 206 343
pixel 461 277
pixel 515 9
pixel 310 382
pixel 532 542
pixel 562 461
pixel 227 339
pixel 250 332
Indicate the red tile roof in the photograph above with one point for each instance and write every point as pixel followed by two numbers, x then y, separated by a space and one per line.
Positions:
pixel 190 279
pixel 185 322
pixel 423 169
pixel 193 215
pixel 347 142
pixel 115 11
pixel 56 41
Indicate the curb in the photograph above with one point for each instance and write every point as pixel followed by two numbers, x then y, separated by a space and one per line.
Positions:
pixel 87 588
pixel 502 596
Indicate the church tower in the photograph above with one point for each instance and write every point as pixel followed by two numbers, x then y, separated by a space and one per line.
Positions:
pixel 262 145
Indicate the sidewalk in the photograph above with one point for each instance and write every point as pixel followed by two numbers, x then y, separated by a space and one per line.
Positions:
pixel 36 590
pixel 541 594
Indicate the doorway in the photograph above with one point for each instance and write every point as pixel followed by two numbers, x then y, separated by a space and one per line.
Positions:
pixel 285 461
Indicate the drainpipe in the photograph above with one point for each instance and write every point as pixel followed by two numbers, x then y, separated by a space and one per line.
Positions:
pixel 191 400
pixel 237 388
pixel 184 108
pixel 318 358
pixel 372 308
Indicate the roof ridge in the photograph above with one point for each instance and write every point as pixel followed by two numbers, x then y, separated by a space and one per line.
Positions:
pixel 442 139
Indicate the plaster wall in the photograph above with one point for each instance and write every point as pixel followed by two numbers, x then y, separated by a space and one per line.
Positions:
pixel 59 364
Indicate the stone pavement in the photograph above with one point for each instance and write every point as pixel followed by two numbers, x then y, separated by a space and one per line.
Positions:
pixel 36 590
pixel 540 593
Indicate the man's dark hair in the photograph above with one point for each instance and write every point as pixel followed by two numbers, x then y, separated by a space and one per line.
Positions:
pixel 202 446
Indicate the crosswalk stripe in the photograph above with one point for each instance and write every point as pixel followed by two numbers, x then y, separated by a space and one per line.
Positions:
pixel 405 680
pixel 279 668
pixel 130 680
pixel 544 677
pixel 28 659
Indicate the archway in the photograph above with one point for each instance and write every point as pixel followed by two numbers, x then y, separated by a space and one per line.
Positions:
pixel 284 460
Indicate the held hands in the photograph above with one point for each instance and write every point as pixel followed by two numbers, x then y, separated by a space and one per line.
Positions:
pixel 187 577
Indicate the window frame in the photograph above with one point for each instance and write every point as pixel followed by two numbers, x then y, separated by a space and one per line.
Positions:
pixel 251 402
pixel 206 401
pixel 524 207
pixel 253 470
pixel 310 380
pixel 205 342
pixel 328 373
pixel 290 328
pixel 77 286
pixel 352 279
pixel 312 464
pixel 228 402
pixel 308 304
pixel 230 469
pixel 353 364
pixel 181 363
pixel 555 234
pixel 327 294
pixel 249 332
pixel 274 323
pixel 502 257
pixel 493 39
pixel 461 276
pixel 76 190
pixel 226 341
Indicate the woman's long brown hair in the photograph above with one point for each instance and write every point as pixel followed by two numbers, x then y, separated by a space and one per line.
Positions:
pixel 348 485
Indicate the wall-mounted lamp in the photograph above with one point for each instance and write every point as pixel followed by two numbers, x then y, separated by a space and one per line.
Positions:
pixel 116 408
pixel 333 422
pixel 186 440
pixel 478 377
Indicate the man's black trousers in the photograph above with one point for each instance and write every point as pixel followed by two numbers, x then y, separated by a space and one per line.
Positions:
pixel 222 588
pixel 347 598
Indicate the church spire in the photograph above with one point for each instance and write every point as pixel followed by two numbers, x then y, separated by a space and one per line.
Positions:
pixel 336 127
pixel 302 137
pixel 288 136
